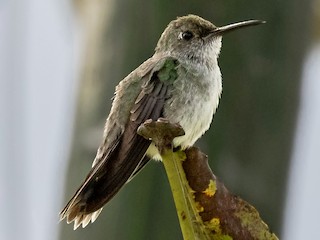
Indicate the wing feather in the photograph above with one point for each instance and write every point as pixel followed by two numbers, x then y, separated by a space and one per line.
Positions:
pixel 124 158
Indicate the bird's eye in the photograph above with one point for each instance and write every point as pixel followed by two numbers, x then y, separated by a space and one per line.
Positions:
pixel 187 35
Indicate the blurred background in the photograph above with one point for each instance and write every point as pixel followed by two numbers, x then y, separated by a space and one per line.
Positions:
pixel 59 64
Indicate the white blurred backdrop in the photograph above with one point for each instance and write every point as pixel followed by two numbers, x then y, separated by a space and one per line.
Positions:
pixel 38 52
pixel 302 210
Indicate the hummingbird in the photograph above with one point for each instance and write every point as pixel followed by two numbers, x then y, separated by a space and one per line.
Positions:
pixel 181 82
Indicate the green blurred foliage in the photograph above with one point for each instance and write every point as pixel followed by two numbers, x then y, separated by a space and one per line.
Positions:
pixel 250 140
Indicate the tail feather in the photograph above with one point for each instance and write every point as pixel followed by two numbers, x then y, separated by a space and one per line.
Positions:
pixel 104 180
pixel 72 213
pixel 101 185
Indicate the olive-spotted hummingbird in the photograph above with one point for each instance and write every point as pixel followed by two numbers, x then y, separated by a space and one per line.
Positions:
pixel 180 82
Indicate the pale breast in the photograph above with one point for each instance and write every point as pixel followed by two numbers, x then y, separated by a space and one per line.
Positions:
pixel 193 104
pixel 194 100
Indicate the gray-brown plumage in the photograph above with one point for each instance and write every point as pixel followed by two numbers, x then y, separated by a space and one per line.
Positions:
pixel 180 82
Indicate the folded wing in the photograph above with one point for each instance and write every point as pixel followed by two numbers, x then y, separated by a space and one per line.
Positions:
pixel 126 156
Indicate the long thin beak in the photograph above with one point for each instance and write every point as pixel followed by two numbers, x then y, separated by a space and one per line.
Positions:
pixel 234 26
